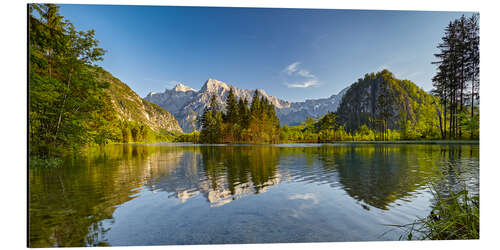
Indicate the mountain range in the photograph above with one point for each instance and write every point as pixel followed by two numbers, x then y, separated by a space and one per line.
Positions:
pixel 186 103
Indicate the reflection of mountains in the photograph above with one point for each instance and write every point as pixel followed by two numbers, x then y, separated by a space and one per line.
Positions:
pixel 220 174
pixel 377 175
pixel 74 205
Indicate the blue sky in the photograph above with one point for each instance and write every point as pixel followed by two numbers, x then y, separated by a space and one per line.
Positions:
pixel 294 54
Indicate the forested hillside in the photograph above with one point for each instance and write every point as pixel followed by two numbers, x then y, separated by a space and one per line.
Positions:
pixel 382 102
pixel 129 106
pixel 73 102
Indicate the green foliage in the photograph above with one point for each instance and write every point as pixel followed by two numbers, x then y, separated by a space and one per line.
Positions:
pixel 469 124
pixel 324 129
pixel 128 106
pixel 72 102
pixel 378 107
pixel 64 94
pixel 211 131
pixel 452 218
pixel 364 133
pixel 240 123
pixel 129 131
pixel 231 115
pixel 188 137
pixel 383 103
pixel 456 81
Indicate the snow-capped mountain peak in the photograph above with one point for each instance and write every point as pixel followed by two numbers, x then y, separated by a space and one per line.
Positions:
pixel 182 88
pixel 213 85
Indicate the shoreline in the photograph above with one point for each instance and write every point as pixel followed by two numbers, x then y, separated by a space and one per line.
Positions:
pixel 470 142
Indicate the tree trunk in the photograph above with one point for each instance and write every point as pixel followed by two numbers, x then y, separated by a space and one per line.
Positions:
pixel 64 102
pixel 472 102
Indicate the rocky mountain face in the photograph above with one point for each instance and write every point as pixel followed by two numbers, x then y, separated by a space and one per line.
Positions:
pixel 186 104
pixel 381 97
pixel 129 106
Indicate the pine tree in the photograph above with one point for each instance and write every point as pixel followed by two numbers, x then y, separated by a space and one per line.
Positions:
pixel 243 112
pixel 214 106
pixel 211 121
pixel 255 105
pixel 458 68
pixel 473 60
pixel 231 108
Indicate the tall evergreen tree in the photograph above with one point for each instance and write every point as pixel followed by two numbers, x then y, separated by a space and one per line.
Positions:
pixel 231 108
pixel 473 60
pixel 214 106
pixel 255 105
pixel 458 69
pixel 243 112
pixel 211 121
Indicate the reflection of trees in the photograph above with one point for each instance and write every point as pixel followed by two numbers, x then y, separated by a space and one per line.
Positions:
pixel 177 174
pixel 458 170
pixel 380 174
pixel 236 171
pixel 374 174
pixel 69 205
pixel 224 173
pixel 73 205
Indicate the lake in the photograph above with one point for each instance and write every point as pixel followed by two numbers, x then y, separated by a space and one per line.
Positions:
pixel 159 194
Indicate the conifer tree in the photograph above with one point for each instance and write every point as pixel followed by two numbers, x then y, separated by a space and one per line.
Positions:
pixel 231 108
pixel 457 70
pixel 255 105
pixel 243 113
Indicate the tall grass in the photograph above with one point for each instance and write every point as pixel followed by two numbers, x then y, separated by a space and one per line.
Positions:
pixel 452 218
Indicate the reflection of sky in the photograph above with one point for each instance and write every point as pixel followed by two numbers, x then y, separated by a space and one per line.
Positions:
pixel 304 201
pixel 161 194
pixel 289 212
pixel 400 176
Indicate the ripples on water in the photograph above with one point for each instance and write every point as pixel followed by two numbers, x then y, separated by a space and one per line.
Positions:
pixel 150 194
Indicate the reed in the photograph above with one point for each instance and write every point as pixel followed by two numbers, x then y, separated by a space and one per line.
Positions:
pixel 452 218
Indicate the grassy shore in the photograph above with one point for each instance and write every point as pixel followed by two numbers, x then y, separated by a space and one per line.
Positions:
pixel 354 142
pixel 410 142
pixel 455 217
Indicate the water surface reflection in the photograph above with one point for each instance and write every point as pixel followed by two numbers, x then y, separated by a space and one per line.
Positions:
pixel 148 194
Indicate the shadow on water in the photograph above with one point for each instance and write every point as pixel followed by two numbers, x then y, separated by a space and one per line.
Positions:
pixel 75 205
